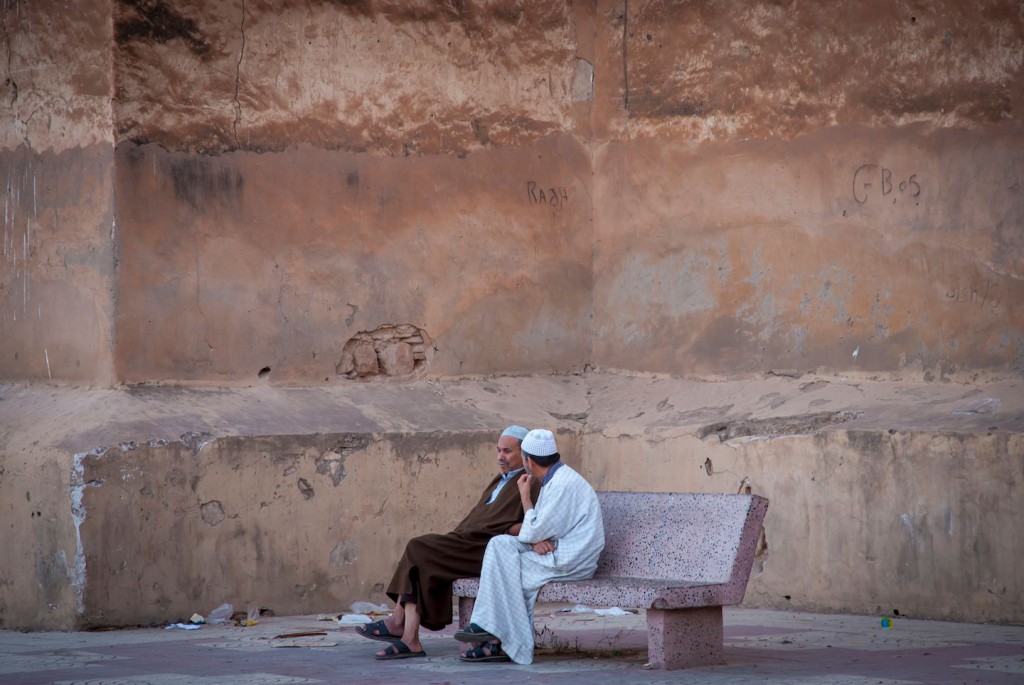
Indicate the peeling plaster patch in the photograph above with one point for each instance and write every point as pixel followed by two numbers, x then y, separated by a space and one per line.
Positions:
pixel 343 553
pixel 331 464
pixel 767 316
pixel 128 446
pixel 332 461
pixel 195 441
pixel 653 294
pixel 911 530
pixel 583 81
pixel 78 516
pixel 212 513
pixel 838 284
pixel 579 417
pixel 691 416
pixel 156 442
pixel 306 489
pixel 775 427
pixel 388 350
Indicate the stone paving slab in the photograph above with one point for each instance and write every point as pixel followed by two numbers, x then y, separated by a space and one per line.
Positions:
pixel 763 647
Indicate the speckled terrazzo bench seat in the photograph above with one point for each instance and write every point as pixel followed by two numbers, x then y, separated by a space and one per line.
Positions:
pixel 680 556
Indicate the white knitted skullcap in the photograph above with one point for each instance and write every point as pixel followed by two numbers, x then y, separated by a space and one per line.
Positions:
pixel 539 443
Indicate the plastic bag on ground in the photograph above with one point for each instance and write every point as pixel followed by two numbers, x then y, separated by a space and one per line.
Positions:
pixel 369 608
pixel 221 614
pixel 183 626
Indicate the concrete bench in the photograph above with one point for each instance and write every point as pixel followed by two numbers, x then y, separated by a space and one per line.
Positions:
pixel 680 556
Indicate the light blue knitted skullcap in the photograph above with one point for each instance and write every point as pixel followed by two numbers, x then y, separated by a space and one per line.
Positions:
pixel 517 432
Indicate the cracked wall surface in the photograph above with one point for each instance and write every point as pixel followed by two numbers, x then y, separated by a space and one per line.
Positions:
pixel 849 249
pixel 149 503
pixel 230 192
pixel 662 187
pixel 787 186
pixel 56 182
pixel 234 519
pixel 243 261
pixel 389 77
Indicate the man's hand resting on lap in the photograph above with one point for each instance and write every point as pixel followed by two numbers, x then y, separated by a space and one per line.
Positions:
pixel 544 547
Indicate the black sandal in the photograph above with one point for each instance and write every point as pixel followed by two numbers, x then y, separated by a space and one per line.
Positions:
pixel 378 630
pixel 474 633
pixel 398 650
pixel 489 652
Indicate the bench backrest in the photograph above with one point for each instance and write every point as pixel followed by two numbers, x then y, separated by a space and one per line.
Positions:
pixel 706 538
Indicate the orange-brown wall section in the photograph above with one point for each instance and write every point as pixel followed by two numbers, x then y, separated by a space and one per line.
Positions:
pixel 205 190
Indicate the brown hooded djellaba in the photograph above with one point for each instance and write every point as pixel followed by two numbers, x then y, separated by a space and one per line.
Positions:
pixel 431 563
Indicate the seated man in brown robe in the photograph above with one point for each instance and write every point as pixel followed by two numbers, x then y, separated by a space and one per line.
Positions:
pixel 422 583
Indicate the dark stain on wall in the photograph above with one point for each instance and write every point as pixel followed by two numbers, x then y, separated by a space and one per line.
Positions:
pixel 197 181
pixel 153 21
pixel 979 102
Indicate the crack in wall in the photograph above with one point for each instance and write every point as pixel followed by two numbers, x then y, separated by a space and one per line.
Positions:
pixel 238 77
pixel 625 59
pixel 19 123
pixel 206 321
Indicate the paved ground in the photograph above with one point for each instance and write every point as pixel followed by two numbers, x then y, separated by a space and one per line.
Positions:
pixel 763 647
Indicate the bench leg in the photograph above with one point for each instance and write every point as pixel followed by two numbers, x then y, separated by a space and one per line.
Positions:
pixel 465 610
pixel 681 638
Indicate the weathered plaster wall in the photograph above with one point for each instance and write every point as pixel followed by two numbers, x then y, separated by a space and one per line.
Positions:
pixel 234 263
pixel 113 497
pixel 56 167
pixel 726 200
pixel 747 257
pixel 147 504
pixel 782 185
pixel 300 524
pixel 741 188
pixel 384 77
pixel 313 170
pixel 39 587
pixel 859 521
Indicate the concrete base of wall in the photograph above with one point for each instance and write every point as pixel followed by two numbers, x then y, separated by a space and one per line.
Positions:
pixel 148 504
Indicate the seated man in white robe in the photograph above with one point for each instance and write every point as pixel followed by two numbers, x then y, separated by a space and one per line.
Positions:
pixel 561 539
